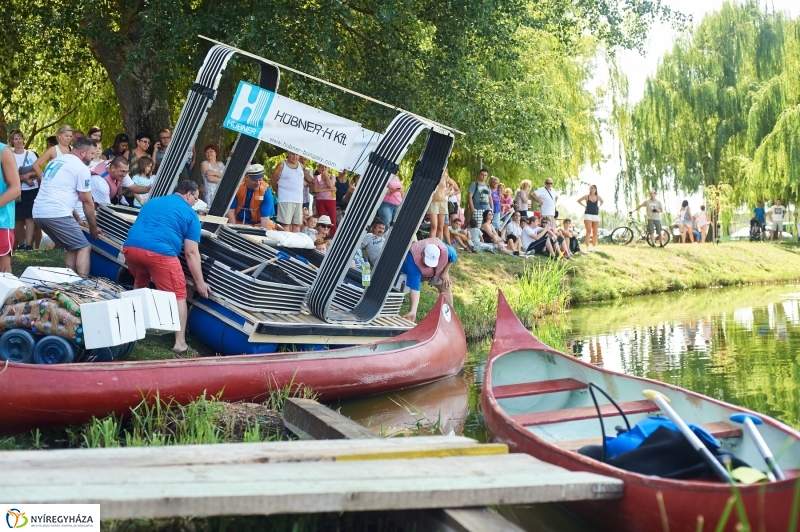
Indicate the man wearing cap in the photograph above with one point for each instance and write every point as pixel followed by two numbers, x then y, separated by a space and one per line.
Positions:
pixel 288 180
pixel 164 226
pixel 427 260
pixel 253 203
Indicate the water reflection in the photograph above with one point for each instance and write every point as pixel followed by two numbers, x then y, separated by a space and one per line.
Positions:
pixel 735 344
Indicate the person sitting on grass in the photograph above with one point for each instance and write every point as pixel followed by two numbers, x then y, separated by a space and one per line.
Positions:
pixel 490 235
pixel 476 238
pixel 459 237
pixel 534 238
pixel 570 237
pixel 512 233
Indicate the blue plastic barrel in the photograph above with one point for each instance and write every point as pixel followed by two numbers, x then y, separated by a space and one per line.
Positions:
pixel 53 350
pixel 16 345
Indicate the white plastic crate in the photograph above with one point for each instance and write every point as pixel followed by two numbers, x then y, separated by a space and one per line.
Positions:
pixel 160 310
pixel 114 322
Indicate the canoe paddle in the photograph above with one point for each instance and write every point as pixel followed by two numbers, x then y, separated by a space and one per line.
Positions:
pixel 750 421
pixel 662 401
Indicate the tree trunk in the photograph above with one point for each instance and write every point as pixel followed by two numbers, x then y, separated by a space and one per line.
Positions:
pixel 3 131
pixel 142 100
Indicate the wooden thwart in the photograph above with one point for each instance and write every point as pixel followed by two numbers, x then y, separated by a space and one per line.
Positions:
pixel 718 430
pixel 584 412
pixel 537 388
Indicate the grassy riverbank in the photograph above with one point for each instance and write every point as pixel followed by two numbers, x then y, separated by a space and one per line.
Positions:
pixel 613 272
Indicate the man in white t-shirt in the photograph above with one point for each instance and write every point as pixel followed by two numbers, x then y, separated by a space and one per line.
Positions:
pixel 373 242
pixel 547 199
pixel 66 180
pixel 776 220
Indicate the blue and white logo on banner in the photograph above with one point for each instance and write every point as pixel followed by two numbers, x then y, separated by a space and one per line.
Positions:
pixel 249 109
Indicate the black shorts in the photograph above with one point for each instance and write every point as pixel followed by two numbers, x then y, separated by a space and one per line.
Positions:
pixel 538 245
pixel 24 209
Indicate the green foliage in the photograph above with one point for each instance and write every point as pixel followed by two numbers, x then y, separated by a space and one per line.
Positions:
pixel 510 74
pixel 722 108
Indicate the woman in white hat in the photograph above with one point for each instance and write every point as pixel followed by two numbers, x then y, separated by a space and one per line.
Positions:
pixel 427 260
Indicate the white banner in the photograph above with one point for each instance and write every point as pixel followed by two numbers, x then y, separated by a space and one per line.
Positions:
pixel 363 144
pixel 320 136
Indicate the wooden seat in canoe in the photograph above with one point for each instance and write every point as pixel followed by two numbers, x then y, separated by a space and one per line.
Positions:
pixel 719 430
pixel 585 412
pixel 537 388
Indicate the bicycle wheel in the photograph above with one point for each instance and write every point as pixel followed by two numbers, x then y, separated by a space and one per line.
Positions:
pixel 656 242
pixel 621 236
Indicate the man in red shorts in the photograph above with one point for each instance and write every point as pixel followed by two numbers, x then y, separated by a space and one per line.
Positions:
pixel 163 227
pixel 9 190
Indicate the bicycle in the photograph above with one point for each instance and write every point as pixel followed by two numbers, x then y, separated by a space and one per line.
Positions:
pixel 624 234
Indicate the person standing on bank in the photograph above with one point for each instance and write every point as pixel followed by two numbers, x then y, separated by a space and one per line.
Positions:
pixel 776 214
pixel 686 222
pixel 24 228
pixel 547 200
pixel 479 196
pixel 164 226
pixel 591 217
pixel 427 260
pixel 9 190
pixel 287 180
pixel 654 210
pixel 65 181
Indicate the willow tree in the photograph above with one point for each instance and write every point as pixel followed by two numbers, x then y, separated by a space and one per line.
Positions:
pixel 721 109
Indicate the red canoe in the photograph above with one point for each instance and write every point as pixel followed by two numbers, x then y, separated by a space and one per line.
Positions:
pixel 535 399
pixel 39 396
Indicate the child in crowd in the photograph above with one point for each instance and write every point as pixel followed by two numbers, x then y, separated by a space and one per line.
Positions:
pixel 310 227
pixel 458 237
pixel 143 177
pixel 321 245
pixel 476 238
pixel 507 202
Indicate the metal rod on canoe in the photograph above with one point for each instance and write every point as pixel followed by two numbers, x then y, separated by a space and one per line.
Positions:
pixel 750 421
pixel 662 401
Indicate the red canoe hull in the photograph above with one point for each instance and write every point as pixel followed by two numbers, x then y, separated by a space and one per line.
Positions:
pixel 766 504
pixel 39 396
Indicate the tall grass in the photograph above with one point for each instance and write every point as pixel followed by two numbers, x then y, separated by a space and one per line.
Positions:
pixel 542 288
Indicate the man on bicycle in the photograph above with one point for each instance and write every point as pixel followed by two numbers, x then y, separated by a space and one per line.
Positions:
pixel 654 210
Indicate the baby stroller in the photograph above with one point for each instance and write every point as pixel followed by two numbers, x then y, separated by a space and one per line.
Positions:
pixel 755 230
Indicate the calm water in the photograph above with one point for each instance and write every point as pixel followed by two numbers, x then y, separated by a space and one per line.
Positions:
pixel 740 345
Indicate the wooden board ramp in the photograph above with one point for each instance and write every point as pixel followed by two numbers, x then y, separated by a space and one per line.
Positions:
pixel 337 475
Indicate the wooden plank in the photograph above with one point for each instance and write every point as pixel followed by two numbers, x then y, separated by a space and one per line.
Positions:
pixel 718 430
pixel 244 453
pixel 304 487
pixel 443 520
pixel 469 520
pixel 311 420
pixel 537 388
pixel 585 412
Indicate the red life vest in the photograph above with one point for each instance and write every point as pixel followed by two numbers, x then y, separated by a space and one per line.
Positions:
pixel 255 202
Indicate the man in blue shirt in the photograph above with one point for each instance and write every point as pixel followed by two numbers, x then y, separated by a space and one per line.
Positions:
pixel 163 227
pixel 760 216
